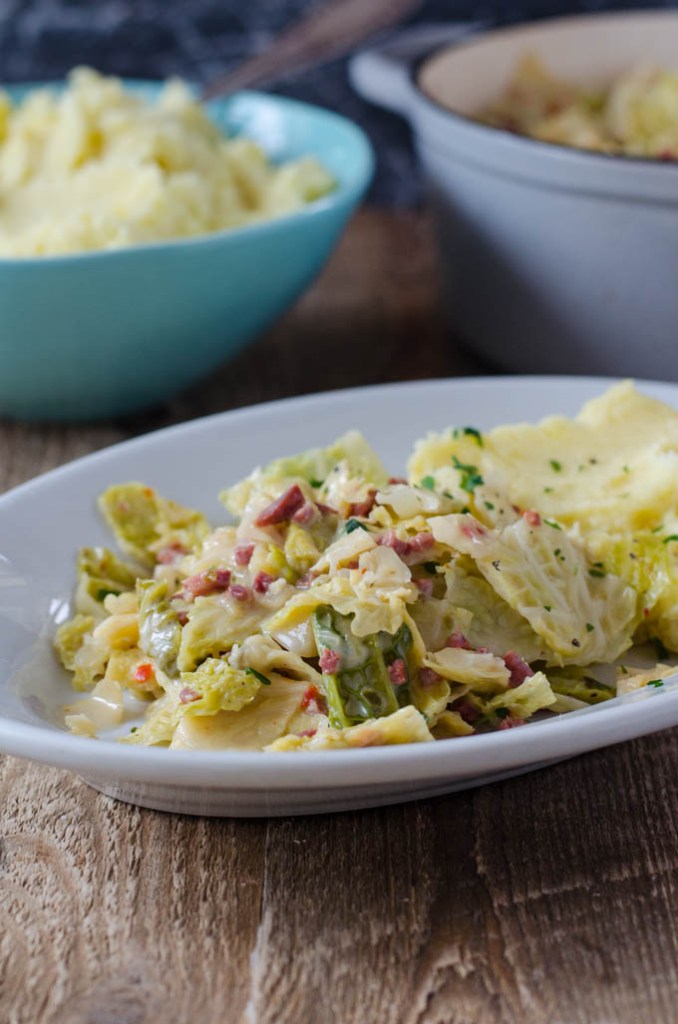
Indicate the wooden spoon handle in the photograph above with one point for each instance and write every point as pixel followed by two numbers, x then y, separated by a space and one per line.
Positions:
pixel 325 34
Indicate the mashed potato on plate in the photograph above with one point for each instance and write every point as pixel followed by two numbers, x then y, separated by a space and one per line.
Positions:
pixel 98 167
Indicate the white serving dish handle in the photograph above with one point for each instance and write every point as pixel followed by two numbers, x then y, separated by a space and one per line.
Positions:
pixel 382 74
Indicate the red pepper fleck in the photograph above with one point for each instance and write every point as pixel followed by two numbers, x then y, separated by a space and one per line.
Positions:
pixel 397 480
pixel 187 695
pixel 325 509
pixel 243 553
pixel 142 673
pixel 329 661
pixel 646 613
pixel 458 640
pixel 240 593
pixel 353 564
pixel 170 554
pixel 182 617
pixel 283 508
pixel 397 671
pixel 307 732
pixel 518 667
pixel 532 518
pixel 262 582
pixel 363 508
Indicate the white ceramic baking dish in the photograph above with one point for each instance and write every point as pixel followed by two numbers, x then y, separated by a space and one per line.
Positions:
pixel 554 259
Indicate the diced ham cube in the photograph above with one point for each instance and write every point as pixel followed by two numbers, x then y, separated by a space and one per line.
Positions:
pixel 305 514
pixel 170 554
pixel 283 508
pixel 425 587
pixel 262 582
pixel 428 677
pixel 397 671
pixel 240 593
pixel 187 695
pixel 329 662
pixel 208 582
pixel 363 508
pixel 243 553
pixel 518 667
pixel 510 723
pixel 458 640
pixel 532 518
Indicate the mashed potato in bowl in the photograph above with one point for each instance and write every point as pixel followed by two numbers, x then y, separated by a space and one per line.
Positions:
pixel 635 115
pixel 100 167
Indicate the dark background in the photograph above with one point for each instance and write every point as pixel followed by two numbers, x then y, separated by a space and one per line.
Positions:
pixel 42 39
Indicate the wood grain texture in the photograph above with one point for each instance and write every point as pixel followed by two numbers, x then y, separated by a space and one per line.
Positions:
pixel 548 898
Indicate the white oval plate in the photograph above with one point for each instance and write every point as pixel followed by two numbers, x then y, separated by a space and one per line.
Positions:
pixel 44 522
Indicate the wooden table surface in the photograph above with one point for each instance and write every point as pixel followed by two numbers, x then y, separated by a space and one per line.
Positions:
pixel 546 898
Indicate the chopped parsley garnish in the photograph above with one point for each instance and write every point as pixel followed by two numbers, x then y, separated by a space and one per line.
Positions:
pixel 430 567
pixel 470 477
pixel 103 593
pixel 489 505
pixel 135 728
pixel 657 529
pixel 626 469
pixel 555 465
pixel 502 712
pixel 354 524
pixel 469 432
pixel 548 490
pixel 427 482
pixel 548 607
pixel 259 675
pixel 673 536
pixel 598 573
pixel 589 627
pixel 316 483
pixel 655 682
pixel 552 524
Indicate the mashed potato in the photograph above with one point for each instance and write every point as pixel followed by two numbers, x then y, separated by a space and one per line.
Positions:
pixel 637 114
pixel 98 167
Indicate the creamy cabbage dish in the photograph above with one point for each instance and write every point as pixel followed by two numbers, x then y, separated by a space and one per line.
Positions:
pixel 636 114
pixel 99 167
pixel 508 574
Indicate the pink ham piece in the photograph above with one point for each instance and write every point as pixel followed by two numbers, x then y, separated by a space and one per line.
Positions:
pixel 204 583
pixel 363 508
pixel 170 554
pixel 243 553
pixel 329 662
pixel 283 508
pixel 518 667
pixel 397 671
pixel 458 640
pixel 262 582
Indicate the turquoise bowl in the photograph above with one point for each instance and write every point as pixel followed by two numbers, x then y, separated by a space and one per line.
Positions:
pixel 102 334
